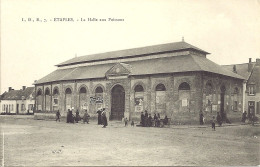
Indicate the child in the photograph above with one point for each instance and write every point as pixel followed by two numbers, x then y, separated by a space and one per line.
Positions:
pixel 132 123
pixel 213 123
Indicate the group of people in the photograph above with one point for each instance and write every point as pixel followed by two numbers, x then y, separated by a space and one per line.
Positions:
pixel 250 117
pixel 147 120
pixel 71 118
pixel 218 119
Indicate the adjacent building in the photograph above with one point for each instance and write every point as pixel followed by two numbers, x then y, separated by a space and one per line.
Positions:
pixel 251 72
pixel 18 101
pixel 174 79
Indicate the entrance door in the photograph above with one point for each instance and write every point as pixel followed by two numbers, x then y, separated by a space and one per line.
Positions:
pixel 17 109
pixel 117 103
pixel 251 107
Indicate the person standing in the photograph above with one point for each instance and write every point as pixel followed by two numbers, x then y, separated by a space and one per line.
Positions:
pixel 58 116
pixel 68 116
pixel 201 118
pixel 213 123
pixel 219 119
pixel 149 124
pixel 99 116
pixel 155 118
pixel 86 117
pixel 126 121
pixel 145 118
pixel 142 119
pixel 104 118
pixel 77 116
pixel 243 117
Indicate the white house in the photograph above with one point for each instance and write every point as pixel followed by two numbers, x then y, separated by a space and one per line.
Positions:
pixel 18 101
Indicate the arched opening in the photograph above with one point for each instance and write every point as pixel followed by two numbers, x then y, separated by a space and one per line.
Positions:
pixel 99 97
pixel 83 98
pixel 47 100
pixel 55 99
pixel 117 102
pixel 208 96
pixel 68 99
pixel 160 102
pixel 184 86
pixel 184 97
pixel 222 100
pixel 39 100
pixel 139 98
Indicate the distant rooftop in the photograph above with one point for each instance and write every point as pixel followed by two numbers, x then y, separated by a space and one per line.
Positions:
pixel 18 94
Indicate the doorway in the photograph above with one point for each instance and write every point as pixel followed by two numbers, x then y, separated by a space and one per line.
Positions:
pixel 222 101
pixel 117 102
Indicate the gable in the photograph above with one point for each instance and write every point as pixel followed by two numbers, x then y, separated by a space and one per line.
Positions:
pixel 119 70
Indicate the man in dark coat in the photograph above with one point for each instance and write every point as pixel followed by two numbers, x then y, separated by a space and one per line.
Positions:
pixel 149 123
pixel 68 116
pixel 104 118
pixel 77 116
pixel 145 118
pixel 99 117
pixel 219 119
pixel 58 116
pixel 142 119
pixel 243 117
pixel 155 118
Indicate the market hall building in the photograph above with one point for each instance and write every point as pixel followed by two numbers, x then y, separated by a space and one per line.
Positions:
pixel 174 79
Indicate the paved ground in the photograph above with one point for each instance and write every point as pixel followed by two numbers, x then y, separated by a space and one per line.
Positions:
pixel 29 142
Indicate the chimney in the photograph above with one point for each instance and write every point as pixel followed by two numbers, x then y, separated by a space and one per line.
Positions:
pixel 257 62
pixel 24 87
pixel 250 65
pixel 9 89
pixel 235 69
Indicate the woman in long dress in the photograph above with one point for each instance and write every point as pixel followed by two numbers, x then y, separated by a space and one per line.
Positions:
pixel 99 117
pixel 104 118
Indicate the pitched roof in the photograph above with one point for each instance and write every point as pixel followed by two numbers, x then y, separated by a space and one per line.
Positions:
pixel 135 52
pixel 242 69
pixel 17 94
pixel 185 63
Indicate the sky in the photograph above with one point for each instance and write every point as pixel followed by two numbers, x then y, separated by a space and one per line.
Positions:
pixel 228 30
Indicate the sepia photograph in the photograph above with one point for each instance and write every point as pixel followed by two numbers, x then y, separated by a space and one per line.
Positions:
pixel 130 83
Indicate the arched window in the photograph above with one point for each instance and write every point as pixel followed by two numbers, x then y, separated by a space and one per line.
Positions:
pixel 160 87
pixel 39 100
pixel 99 90
pixel 139 88
pixel 47 99
pixel 184 86
pixel 68 99
pixel 99 97
pixel 55 99
pixel 83 90
pixel 184 97
pixel 209 88
pixel 160 101
pixel 139 98
pixel 236 90
pixel 56 91
pixel 68 91
pixel 83 98
pixel 39 92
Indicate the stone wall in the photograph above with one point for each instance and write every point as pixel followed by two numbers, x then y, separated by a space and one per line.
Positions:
pixel 182 106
